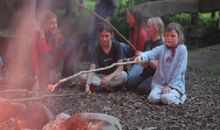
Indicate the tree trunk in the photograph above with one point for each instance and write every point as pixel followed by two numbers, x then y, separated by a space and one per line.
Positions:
pixel 194 19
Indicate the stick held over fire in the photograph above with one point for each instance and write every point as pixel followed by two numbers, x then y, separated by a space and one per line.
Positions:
pixel 51 87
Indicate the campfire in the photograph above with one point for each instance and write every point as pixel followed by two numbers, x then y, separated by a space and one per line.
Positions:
pixel 33 115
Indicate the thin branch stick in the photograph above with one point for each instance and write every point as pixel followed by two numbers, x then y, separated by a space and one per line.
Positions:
pixel 16 91
pixel 101 18
pixel 52 87
pixel 39 98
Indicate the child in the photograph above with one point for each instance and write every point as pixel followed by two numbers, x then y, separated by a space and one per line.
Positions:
pixel 105 54
pixel 138 36
pixel 48 50
pixel 106 9
pixel 142 82
pixel 168 83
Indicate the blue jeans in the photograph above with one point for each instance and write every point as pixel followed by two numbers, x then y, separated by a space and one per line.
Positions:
pixel 128 53
pixel 135 70
pixel 127 50
pixel 141 84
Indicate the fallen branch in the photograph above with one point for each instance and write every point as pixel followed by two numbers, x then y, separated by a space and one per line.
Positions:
pixel 51 87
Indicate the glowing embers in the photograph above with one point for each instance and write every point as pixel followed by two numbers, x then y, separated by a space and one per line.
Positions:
pixel 18 116
pixel 84 121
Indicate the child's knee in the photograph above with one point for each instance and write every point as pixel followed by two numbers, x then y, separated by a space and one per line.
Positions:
pixel 120 79
pixel 165 99
pixel 124 76
pixel 82 78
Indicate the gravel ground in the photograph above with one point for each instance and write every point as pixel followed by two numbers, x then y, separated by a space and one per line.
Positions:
pixel 201 111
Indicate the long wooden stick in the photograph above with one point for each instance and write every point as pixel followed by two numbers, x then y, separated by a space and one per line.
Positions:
pixel 53 87
pixel 39 97
pixel 101 18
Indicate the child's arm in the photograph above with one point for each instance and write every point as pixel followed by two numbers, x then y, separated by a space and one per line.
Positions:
pixel 177 80
pixel 153 64
pixel 149 55
pixel 152 54
pixel 89 78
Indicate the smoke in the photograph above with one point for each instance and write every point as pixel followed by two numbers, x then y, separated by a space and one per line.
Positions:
pixel 24 25
pixel 18 51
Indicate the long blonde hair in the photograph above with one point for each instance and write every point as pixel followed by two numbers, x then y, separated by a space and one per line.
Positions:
pixel 158 24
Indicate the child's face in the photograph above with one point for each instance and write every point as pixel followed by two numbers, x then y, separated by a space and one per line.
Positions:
pixel 172 38
pixel 131 19
pixel 152 31
pixel 105 37
pixel 51 25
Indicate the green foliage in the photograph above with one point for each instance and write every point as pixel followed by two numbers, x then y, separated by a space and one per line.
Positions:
pixel 205 19
pixel 183 19
pixel 90 4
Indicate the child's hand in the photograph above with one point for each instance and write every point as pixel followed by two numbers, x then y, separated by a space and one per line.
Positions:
pixel 51 87
pixel 105 82
pixel 138 59
pixel 141 62
pixel 88 89
pixel 166 90
pixel 137 53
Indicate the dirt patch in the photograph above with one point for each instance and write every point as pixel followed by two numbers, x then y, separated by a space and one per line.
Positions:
pixel 207 57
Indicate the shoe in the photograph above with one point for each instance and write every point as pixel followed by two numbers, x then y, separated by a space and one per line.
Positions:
pixel 113 88
pixel 183 99
pixel 94 88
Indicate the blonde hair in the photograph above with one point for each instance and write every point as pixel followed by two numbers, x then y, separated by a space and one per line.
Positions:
pixel 158 24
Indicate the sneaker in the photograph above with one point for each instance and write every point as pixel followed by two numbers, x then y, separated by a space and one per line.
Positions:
pixel 183 99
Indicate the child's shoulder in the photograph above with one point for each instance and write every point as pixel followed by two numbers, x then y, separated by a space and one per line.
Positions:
pixel 182 47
